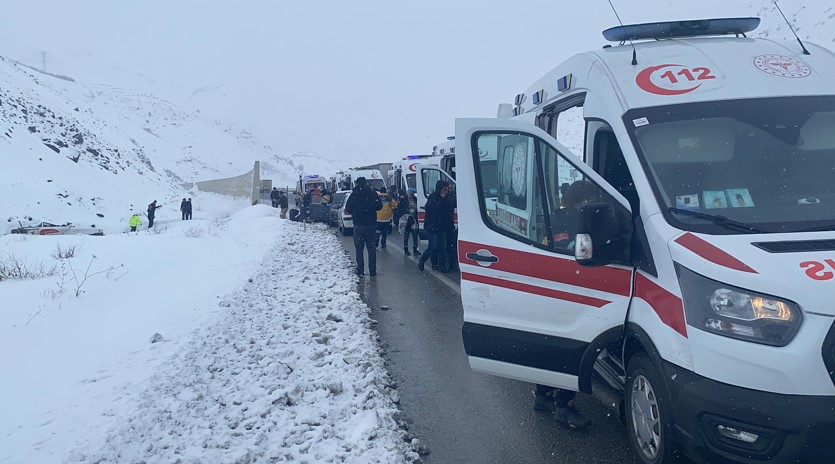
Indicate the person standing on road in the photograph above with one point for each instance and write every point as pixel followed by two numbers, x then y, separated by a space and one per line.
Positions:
pixel 152 209
pixel 274 197
pixel 189 209
pixel 451 229
pixel 282 203
pixel 183 206
pixel 363 205
pixel 411 229
pixel 384 216
pixel 561 403
pixel 435 226
pixel 134 221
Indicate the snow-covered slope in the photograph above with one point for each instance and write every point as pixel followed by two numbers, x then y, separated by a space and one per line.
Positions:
pixel 95 153
pixel 813 21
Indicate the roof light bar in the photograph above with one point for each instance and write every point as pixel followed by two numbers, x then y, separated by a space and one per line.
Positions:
pixel 694 28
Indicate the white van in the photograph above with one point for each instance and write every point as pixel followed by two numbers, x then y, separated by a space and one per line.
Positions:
pixel 686 255
pixel 372 176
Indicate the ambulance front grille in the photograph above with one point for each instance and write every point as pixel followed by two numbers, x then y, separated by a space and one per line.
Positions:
pixel 829 353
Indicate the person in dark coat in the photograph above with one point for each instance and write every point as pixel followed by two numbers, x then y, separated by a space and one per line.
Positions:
pixel 410 209
pixel 282 203
pixel 152 209
pixel 436 227
pixel 363 205
pixel 451 230
pixel 188 209
pixel 274 197
pixel 183 208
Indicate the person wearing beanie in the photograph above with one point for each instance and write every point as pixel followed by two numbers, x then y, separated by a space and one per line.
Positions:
pixel 363 205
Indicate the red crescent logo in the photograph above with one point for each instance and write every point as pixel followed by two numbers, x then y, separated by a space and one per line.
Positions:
pixel 644 81
pixel 412 167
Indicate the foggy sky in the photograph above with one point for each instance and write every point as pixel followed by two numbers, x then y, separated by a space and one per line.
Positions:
pixel 359 80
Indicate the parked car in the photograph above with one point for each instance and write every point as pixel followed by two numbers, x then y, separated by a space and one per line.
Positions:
pixel 46 228
pixel 345 222
pixel 336 206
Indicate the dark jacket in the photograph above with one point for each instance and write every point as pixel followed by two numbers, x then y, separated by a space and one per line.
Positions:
pixel 449 212
pixel 282 200
pixel 437 208
pixel 152 209
pixel 274 195
pixel 363 205
pixel 188 206
pixel 184 206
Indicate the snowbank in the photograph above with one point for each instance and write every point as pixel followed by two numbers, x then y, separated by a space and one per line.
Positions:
pixel 267 353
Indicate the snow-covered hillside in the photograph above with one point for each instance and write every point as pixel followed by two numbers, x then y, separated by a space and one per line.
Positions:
pixel 92 154
pixel 813 21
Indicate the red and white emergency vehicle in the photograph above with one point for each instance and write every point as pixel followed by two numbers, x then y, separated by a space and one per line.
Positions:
pixel 686 255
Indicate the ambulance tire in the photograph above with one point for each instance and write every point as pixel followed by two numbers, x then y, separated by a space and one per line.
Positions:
pixel 648 408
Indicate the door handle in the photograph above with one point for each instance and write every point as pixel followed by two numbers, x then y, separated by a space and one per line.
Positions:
pixel 483 257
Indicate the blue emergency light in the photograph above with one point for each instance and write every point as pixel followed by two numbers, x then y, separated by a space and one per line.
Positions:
pixel 694 28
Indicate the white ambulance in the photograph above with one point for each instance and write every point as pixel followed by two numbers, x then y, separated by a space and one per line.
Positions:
pixel 686 256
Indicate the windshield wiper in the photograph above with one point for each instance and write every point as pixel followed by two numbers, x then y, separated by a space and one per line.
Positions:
pixel 719 220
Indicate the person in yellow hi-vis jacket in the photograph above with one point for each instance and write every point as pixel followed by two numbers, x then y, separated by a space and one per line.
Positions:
pixel 384 216
pixel 134 221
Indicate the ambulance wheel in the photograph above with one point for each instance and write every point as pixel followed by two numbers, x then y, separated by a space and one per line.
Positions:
pixel 648 418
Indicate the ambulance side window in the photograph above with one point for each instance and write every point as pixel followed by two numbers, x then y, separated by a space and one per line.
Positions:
pixel 539 191
pixel 430 178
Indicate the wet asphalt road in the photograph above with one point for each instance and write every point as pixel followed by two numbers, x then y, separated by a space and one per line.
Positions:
pixel 459 415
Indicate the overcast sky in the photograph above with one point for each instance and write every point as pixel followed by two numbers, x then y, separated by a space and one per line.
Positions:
pixel 361 80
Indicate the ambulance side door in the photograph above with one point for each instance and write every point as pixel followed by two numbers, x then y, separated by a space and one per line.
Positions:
pixel 427 177
pixel 531 312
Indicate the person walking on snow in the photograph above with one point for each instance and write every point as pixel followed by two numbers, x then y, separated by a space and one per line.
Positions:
pixel 362 205
pixel 134 221
pixel 274 197
pixel 282 203
pixel 152 209
pixel 384 216
pixel 183 207
pixel 188 209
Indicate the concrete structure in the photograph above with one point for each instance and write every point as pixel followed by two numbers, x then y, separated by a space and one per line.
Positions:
pixel 246 185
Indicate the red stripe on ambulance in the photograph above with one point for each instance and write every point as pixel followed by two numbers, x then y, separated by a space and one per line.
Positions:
pixel 712 253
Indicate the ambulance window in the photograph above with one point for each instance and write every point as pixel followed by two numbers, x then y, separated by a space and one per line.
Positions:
pixel 610 163
pixel 539 192
pixel 410 181
pixel 564 121
pixel 431 177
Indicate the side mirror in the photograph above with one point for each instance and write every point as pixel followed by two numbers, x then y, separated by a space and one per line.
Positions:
pixel 599 241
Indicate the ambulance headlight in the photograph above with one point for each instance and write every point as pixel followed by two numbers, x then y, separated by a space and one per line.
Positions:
pixel 737 313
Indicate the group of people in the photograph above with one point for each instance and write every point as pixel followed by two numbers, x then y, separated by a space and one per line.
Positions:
pixel 186 209
pixel 374 212
pixel 135 221
pixel 279 200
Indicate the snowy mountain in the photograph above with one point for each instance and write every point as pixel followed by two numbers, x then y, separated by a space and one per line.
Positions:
pixel 65 143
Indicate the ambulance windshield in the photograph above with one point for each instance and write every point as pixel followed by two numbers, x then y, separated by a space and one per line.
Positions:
pixel 765 162
pixel 376 184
